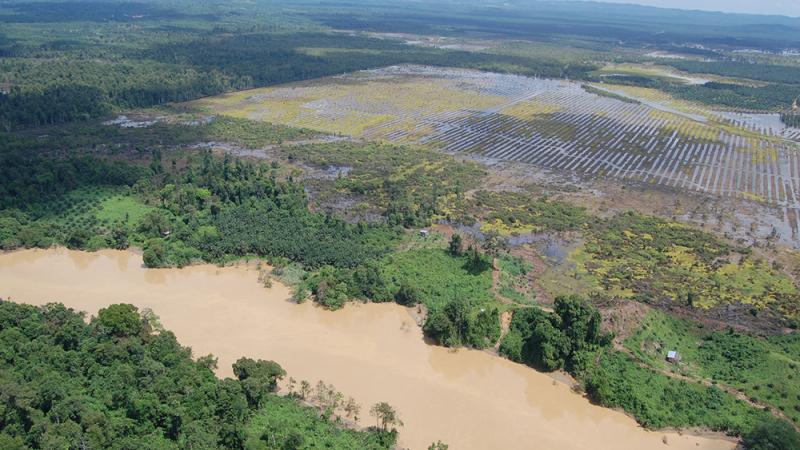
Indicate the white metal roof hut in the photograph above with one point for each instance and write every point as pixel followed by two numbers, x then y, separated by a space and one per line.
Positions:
pixel 673 356
pixel 423 233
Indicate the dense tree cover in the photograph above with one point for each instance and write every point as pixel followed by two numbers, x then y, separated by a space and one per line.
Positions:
pixel 184 51
pixel 267 228
pixel 774 96
pixel 791 120
pixel 454 325
pixel 740 69
pixel 66 89
pixel 31 179
pixel 738 96
pixel 114 383
pixel 226 207
pixel 557 340
pixel 522 20
pixel 212 209
pixel 772 435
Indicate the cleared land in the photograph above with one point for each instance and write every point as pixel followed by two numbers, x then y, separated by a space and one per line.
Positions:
pixel 598 131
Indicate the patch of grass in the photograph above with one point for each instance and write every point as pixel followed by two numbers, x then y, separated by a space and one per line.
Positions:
pixel 514 282
pixel 290 273
pixel 93 211
pixel 440 277
pixel 351 105
pixel 121 208
pixel 412 240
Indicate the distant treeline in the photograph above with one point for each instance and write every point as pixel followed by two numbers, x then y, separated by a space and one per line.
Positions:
pixel 68 87
pixel 609 23
pixel 741 69
pixel 775 96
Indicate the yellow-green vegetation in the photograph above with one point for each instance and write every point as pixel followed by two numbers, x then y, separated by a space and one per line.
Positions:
pixel 570 277
pixel 528 109
pixel 654 260
pixel 765 369
pixel 410 184
pixel 649 94
pixel 689 129
pixel 349 106
pixel 511 213
pixel 249 133
pixel 588 275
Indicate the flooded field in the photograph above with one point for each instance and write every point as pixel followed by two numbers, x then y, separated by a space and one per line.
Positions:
pixel 374 352
pixel 648 137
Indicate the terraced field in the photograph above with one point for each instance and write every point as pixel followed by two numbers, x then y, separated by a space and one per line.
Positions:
pixel 599 131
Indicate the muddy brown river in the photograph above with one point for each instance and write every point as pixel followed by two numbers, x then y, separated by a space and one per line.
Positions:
pixel 374 352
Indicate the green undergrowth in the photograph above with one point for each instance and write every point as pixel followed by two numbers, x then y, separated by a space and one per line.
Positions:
pixel 765 369
pixel 658 401
pixel 90 217
pixel 457 290
pixel 282 423
pixel 251 134
pixel 514 283
pixel 569 338
pixel 440 277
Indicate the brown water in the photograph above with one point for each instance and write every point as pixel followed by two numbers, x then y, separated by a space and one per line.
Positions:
pixel 374 352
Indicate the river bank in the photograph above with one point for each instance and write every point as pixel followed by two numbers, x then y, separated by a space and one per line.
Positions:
pixel 374 352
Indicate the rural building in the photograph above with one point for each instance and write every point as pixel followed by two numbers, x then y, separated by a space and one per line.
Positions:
pixel 673 356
